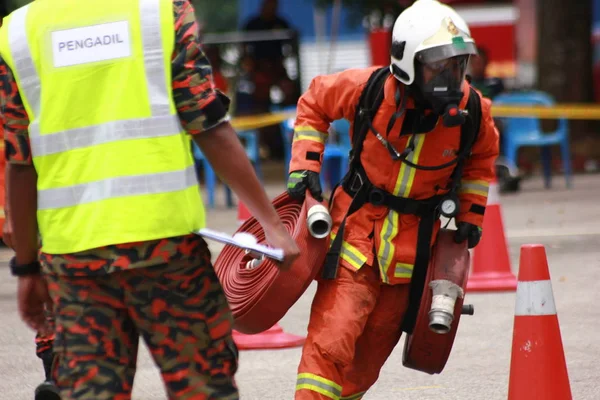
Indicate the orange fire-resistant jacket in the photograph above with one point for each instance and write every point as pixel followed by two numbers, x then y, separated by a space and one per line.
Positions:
pixel 374 232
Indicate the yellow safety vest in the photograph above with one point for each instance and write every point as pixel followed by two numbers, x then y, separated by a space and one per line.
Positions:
pixel 114 164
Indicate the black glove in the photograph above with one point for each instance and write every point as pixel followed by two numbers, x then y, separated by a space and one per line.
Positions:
pixel 467 231
pixel 300 181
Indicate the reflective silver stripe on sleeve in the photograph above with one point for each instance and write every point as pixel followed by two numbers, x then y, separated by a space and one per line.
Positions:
pixel 135 185
pixel 474 186
pixel 300 134
pixel 105 133
pixel 154 57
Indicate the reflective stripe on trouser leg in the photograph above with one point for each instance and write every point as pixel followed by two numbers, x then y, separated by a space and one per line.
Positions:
pixel 339 313
pixel 318 384
pixel 356 396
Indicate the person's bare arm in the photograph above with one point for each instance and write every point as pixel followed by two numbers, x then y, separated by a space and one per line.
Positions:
pixel 20 175
pixel 21 186
pixel 236 170
pixel 21 200
pixel 202 111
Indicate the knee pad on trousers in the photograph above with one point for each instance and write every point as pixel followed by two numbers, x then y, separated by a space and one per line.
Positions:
pixel 334 354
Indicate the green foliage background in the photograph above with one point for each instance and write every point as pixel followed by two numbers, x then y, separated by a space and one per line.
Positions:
pixel 217 16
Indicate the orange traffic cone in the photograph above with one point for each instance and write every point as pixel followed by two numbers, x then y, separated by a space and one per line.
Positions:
pixel 491 263
pixel 537 368
pixel 272 338
pixel 243 213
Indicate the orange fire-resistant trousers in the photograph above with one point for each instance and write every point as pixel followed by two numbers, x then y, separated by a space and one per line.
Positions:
pixel 354 326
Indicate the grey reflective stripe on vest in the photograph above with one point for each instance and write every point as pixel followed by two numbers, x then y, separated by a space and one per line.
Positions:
pixel 153 57
pixel 117 187
pixel 29 80
pixel 161 123
pixel 104 133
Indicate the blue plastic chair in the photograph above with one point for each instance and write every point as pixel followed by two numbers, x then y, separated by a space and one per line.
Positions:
pixel 525 132
pixel 335 156
pixel 251 145
pixel 287 134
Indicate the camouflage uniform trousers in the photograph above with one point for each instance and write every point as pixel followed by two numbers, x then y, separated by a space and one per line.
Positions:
pixel 43 343
pixel 179 309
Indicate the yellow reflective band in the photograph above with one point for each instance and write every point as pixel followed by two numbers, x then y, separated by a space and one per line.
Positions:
pixel 403 270
pixel 319 384
pixel 356 396
pixel 479 187
pixel 403 188
pixel 407 173
pixel 351 254
pixel 308 133
pixel 386 249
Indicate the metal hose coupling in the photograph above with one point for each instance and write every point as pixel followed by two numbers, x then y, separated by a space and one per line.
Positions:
pixel 319 221
pixel 441 314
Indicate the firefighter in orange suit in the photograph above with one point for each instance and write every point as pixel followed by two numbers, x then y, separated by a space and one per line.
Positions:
pixel 425 152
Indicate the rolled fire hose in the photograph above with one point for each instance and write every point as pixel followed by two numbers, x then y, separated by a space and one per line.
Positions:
pixel 258 292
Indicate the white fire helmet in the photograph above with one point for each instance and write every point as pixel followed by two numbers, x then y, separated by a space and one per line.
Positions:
pixel 427 31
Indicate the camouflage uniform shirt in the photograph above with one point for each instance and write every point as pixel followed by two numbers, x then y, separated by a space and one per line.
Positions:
pixel 199 109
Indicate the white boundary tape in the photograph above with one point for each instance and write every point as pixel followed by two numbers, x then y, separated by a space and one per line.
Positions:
pixel 556 232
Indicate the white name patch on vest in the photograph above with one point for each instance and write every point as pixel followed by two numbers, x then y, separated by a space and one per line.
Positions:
pixel 91 44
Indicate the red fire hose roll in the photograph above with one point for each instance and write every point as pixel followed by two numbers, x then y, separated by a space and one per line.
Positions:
pixel 260 297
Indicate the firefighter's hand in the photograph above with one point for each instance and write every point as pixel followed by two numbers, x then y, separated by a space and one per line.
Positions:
pixel 300 181
pixel 469 232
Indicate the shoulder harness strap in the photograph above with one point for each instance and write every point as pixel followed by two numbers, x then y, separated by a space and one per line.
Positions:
pixel 469 132
pixel 369 102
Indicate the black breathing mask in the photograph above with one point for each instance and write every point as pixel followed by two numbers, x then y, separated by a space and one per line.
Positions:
pixel 439 84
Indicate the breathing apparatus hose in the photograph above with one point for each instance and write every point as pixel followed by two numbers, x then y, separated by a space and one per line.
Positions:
pixel 258 292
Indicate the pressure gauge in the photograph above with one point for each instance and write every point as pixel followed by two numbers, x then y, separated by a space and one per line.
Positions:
pixel 449 206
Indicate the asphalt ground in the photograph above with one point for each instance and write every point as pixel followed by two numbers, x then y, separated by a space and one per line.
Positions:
pixel 566 222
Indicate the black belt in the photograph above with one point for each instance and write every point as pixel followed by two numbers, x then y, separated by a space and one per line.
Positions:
pixel 362 191
pixel 359 185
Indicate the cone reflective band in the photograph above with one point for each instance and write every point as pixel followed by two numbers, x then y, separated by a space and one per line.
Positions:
pixel 428 347
pixel 491 262
pixel 538 368
pixel 259 297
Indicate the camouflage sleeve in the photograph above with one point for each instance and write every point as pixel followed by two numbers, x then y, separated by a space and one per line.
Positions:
pixel 16 122
pixel 199 104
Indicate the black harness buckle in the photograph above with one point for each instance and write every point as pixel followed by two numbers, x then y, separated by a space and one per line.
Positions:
pixel 377 197
pixel 356 183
